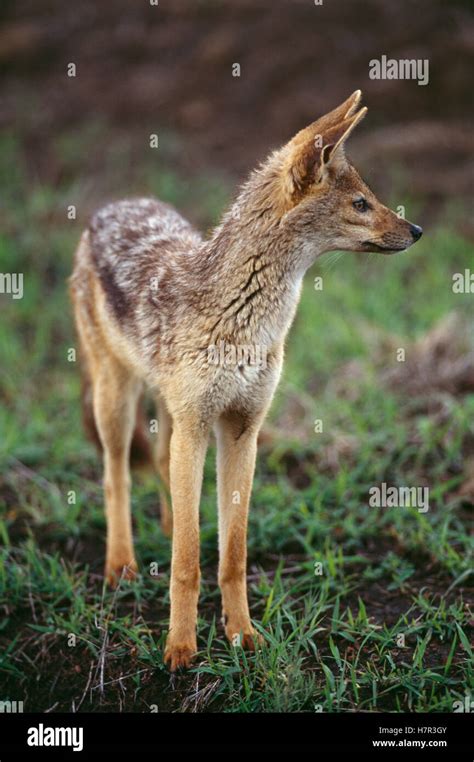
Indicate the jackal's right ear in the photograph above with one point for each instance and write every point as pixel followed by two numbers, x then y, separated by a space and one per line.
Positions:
pixel 312 150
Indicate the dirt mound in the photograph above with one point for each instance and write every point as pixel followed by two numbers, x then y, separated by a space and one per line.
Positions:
pixel 441 361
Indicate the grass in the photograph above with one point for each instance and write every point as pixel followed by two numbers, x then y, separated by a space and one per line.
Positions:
pixel 361 608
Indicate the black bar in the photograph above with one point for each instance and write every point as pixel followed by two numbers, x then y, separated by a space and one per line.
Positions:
pixel 155 731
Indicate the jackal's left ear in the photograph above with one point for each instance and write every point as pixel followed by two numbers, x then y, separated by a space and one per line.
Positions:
pixel 337 136
pixel 311 151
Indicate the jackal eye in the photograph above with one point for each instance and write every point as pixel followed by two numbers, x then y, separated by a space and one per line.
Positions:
pixel 360 204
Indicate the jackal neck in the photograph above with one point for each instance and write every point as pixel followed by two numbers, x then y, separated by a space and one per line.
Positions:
pixel 253 271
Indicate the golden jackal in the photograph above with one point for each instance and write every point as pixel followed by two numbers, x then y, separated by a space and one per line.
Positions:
pixel 156 305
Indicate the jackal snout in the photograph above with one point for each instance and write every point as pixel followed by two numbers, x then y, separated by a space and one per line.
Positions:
pixel 387 232
pixel 359 222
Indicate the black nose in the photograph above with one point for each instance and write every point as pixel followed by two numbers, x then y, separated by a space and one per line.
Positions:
pixel 416 232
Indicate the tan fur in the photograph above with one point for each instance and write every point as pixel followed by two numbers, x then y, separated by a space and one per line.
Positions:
pixel 153 304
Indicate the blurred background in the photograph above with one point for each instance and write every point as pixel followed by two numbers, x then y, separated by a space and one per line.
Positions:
pixel 77 142
pixel 167 69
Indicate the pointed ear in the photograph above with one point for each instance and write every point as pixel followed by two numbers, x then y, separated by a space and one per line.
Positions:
pixel 337 136
pixel 312 150
pixel 345 110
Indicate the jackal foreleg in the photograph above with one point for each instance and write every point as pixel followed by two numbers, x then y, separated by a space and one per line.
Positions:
pixel 187 453
pixel 236 453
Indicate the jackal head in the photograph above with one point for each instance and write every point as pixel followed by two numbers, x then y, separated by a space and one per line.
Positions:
pixel 325 204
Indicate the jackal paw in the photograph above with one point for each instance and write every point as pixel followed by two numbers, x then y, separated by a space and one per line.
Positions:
pixel 115 572
pixel 245 637
pixel 179 655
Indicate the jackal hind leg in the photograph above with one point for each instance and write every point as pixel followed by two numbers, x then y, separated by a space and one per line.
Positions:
pixel 115 394
pixel 162 459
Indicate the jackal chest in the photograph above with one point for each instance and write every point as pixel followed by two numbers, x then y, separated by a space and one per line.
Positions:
pixel 242 377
